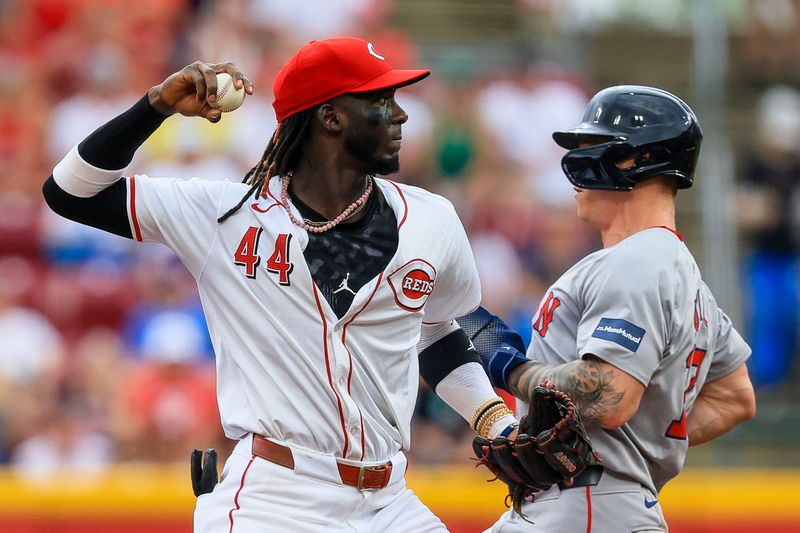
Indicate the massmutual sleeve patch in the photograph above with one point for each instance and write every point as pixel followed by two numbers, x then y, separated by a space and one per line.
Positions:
pixel 620 331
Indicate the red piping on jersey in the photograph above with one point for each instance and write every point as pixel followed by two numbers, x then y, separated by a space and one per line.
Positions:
pixel 269 193
pixel 137 232
pixel 361 421
pixel 588 509
pixel 405 205
pixel 328 368
pixel 236 498
pixel 678 235
pixel 255 207
pixel 350 357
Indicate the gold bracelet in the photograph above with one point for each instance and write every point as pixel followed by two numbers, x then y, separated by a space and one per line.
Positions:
pixel 483 408
pixel 489 413
pixel 484 429
pixel 488 421
pixel 485 405
pixel 481 426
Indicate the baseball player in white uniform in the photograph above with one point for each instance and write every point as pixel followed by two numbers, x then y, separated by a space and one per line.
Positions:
pixel 321 283
pixel 631 333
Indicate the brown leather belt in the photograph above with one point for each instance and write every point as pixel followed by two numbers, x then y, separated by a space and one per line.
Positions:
pixel 363 477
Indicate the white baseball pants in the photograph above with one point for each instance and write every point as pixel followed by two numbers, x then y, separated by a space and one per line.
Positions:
pixel 257 496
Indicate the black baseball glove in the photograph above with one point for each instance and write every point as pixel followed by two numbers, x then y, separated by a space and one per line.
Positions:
pixel 204 471
pixel 552 446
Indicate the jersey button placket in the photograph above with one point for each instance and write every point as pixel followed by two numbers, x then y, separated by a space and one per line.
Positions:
pixel 351 412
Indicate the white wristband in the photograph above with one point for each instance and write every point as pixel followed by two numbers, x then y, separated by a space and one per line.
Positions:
pixel 500 425
pixel 466 388
pixel 78 178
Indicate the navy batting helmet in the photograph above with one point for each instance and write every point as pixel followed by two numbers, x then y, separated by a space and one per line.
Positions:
pixel 654 126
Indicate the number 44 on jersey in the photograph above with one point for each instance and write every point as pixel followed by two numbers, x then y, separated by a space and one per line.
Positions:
pixel 279 264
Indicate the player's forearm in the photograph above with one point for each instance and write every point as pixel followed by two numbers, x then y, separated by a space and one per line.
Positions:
pixel 706 422
pixel 451 367
pixel 588 382
pixel 721 406
pixel 468 391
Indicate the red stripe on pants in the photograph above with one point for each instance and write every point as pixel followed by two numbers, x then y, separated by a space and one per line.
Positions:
pixel 236 498
pixel 588 509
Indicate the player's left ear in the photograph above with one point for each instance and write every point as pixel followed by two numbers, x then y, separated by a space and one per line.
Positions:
pixel 330 118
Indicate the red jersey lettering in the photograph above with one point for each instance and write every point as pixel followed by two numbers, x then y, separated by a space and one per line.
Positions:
pixel 278 263
pixel 546 314
pixel 677 429
pixel 246 254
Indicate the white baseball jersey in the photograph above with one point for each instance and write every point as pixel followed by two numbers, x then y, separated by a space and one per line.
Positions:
pixel 287 367
pixel 641 306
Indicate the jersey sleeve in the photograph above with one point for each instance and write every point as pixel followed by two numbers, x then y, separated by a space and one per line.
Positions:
pixel 457 290
pixel 624 322
pixel 731 350
pixel 181 214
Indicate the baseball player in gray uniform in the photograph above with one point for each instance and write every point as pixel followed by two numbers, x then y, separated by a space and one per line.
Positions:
pixel 327 290
pixel 631 333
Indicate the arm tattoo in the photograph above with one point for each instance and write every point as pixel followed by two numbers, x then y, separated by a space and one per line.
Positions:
pixel 587 381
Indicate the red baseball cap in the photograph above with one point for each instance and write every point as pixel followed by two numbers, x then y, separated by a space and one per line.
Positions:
pixel 325 69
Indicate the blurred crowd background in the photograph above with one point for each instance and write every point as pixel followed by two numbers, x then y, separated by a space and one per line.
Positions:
pixel 104 357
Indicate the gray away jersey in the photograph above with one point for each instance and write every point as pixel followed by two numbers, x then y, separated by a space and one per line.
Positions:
pixel 641 306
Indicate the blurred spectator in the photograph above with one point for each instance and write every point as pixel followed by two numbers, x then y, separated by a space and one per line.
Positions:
pixel 187 150
pixel 167 311
pixel 167 403
pixel 104 83
pixel 31 352
pixel 22 133
pixel 19 212
pixel 500 270
pixel 31 346
pixel 521 113
pixel 66 441
pixel 97 367
pixel 331 19
pixel 457 132
pixel 66 244
pixel 78 298
pixel 439 433
pixel 772 41
pixel 769 216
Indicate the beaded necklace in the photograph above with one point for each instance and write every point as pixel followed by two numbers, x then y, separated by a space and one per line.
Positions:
pixel 318 226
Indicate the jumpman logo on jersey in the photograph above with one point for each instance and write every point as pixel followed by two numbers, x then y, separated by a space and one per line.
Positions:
pixel 343 286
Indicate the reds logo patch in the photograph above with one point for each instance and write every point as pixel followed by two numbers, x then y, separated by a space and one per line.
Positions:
pixel 412 283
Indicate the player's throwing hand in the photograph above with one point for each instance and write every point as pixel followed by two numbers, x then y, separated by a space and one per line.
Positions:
pixel 191 90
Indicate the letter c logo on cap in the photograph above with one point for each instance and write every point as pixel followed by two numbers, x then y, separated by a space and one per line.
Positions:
pixel 372 52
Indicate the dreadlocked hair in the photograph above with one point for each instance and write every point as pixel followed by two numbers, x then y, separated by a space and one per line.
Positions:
pixel 280 156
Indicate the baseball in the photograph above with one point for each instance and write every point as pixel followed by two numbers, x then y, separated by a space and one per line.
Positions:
pixel 228 96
